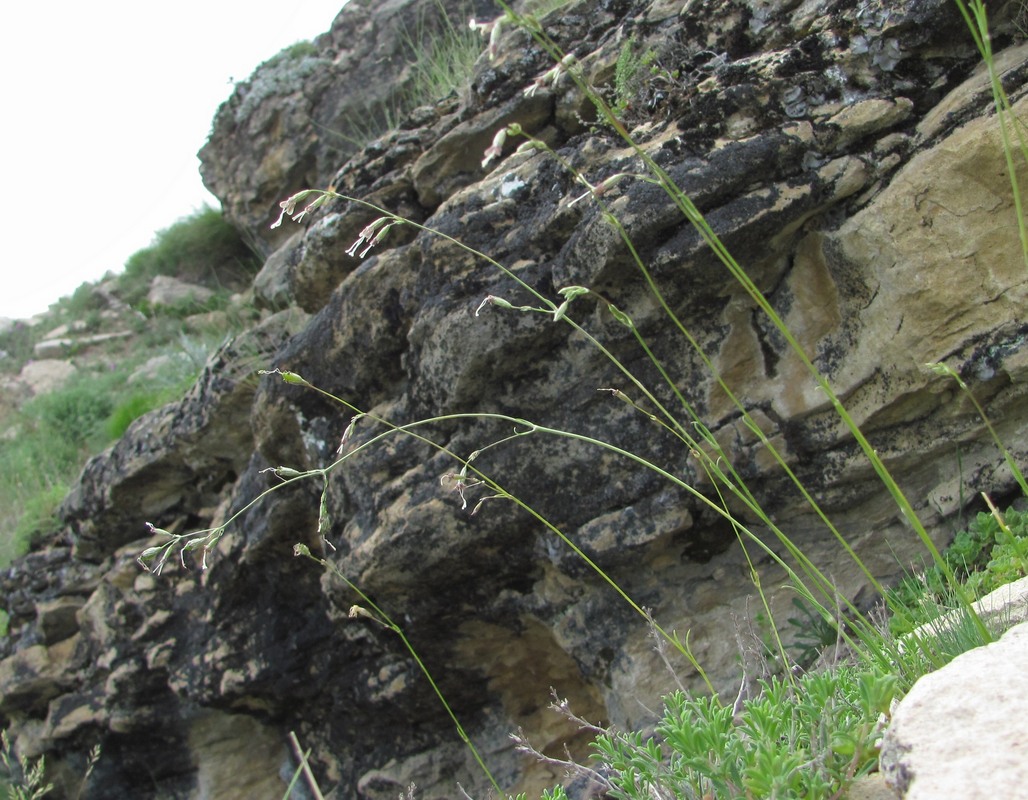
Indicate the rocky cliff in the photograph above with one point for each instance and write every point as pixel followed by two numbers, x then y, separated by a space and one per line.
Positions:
pixel 847 154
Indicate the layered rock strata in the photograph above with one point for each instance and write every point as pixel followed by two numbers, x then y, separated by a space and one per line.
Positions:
pixel 847 154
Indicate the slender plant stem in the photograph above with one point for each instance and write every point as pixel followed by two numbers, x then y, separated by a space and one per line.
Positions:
pixel 312 783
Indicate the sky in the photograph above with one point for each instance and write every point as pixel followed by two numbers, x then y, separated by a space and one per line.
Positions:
pixel 106 104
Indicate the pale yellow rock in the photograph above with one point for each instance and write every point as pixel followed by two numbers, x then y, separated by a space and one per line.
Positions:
pixel 867 117
pixel 940 248
pixel 57 618
pixel 34 675
pixel 870 787
pixel 237 757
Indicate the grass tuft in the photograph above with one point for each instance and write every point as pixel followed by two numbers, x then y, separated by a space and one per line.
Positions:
pixel 200 248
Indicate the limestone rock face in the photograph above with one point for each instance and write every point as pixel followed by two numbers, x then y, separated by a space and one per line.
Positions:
pixel 845 153
pixel 297 118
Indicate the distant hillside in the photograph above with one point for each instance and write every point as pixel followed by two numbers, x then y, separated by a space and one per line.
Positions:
pixel 72 379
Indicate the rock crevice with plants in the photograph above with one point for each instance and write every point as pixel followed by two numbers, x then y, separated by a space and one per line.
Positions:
pixel 847 154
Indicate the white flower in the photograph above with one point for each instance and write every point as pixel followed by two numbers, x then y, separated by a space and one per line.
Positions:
pixel 372 234
pixel 288 205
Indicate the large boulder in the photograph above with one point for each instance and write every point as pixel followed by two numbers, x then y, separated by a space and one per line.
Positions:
pixel 304 111
pixel 170 292
pixel 847 154
pixel 46 375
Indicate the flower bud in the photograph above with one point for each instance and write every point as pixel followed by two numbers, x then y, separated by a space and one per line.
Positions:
pixel 620 316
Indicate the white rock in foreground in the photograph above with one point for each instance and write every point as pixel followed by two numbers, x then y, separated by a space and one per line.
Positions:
pixel 962 732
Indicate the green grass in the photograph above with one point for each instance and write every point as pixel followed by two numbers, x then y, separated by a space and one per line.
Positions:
pixel 22 779
pixel 200 248
pixel 440 53
pixel 444 50
pixel 57 432
pixel 132 408
pixel 19 778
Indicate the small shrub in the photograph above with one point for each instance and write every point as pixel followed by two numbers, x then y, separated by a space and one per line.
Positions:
pixel 39 517
pixel 73 416
pixel 200 248
pixel 16 346
pixel 812 633
pixel 984 557
pixel 301 49
pixel 82 302
pixel 807 740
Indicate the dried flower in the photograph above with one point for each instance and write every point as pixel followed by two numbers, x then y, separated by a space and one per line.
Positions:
pixel 154 530
pixel 283 473
pixel 459 483
pixel 492 300
pixel 344 442
pixel 552 75
pixel 495 150
pixel 601 188
pixel 493 29
pixel 288 377
pixel 624 398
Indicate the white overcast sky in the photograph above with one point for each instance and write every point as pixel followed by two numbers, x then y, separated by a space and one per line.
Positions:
pixel 105 106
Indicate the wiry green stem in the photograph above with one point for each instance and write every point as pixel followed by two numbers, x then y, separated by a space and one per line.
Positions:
pixel 384 619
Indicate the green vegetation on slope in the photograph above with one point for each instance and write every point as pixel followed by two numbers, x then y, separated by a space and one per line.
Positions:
pixel 47 439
